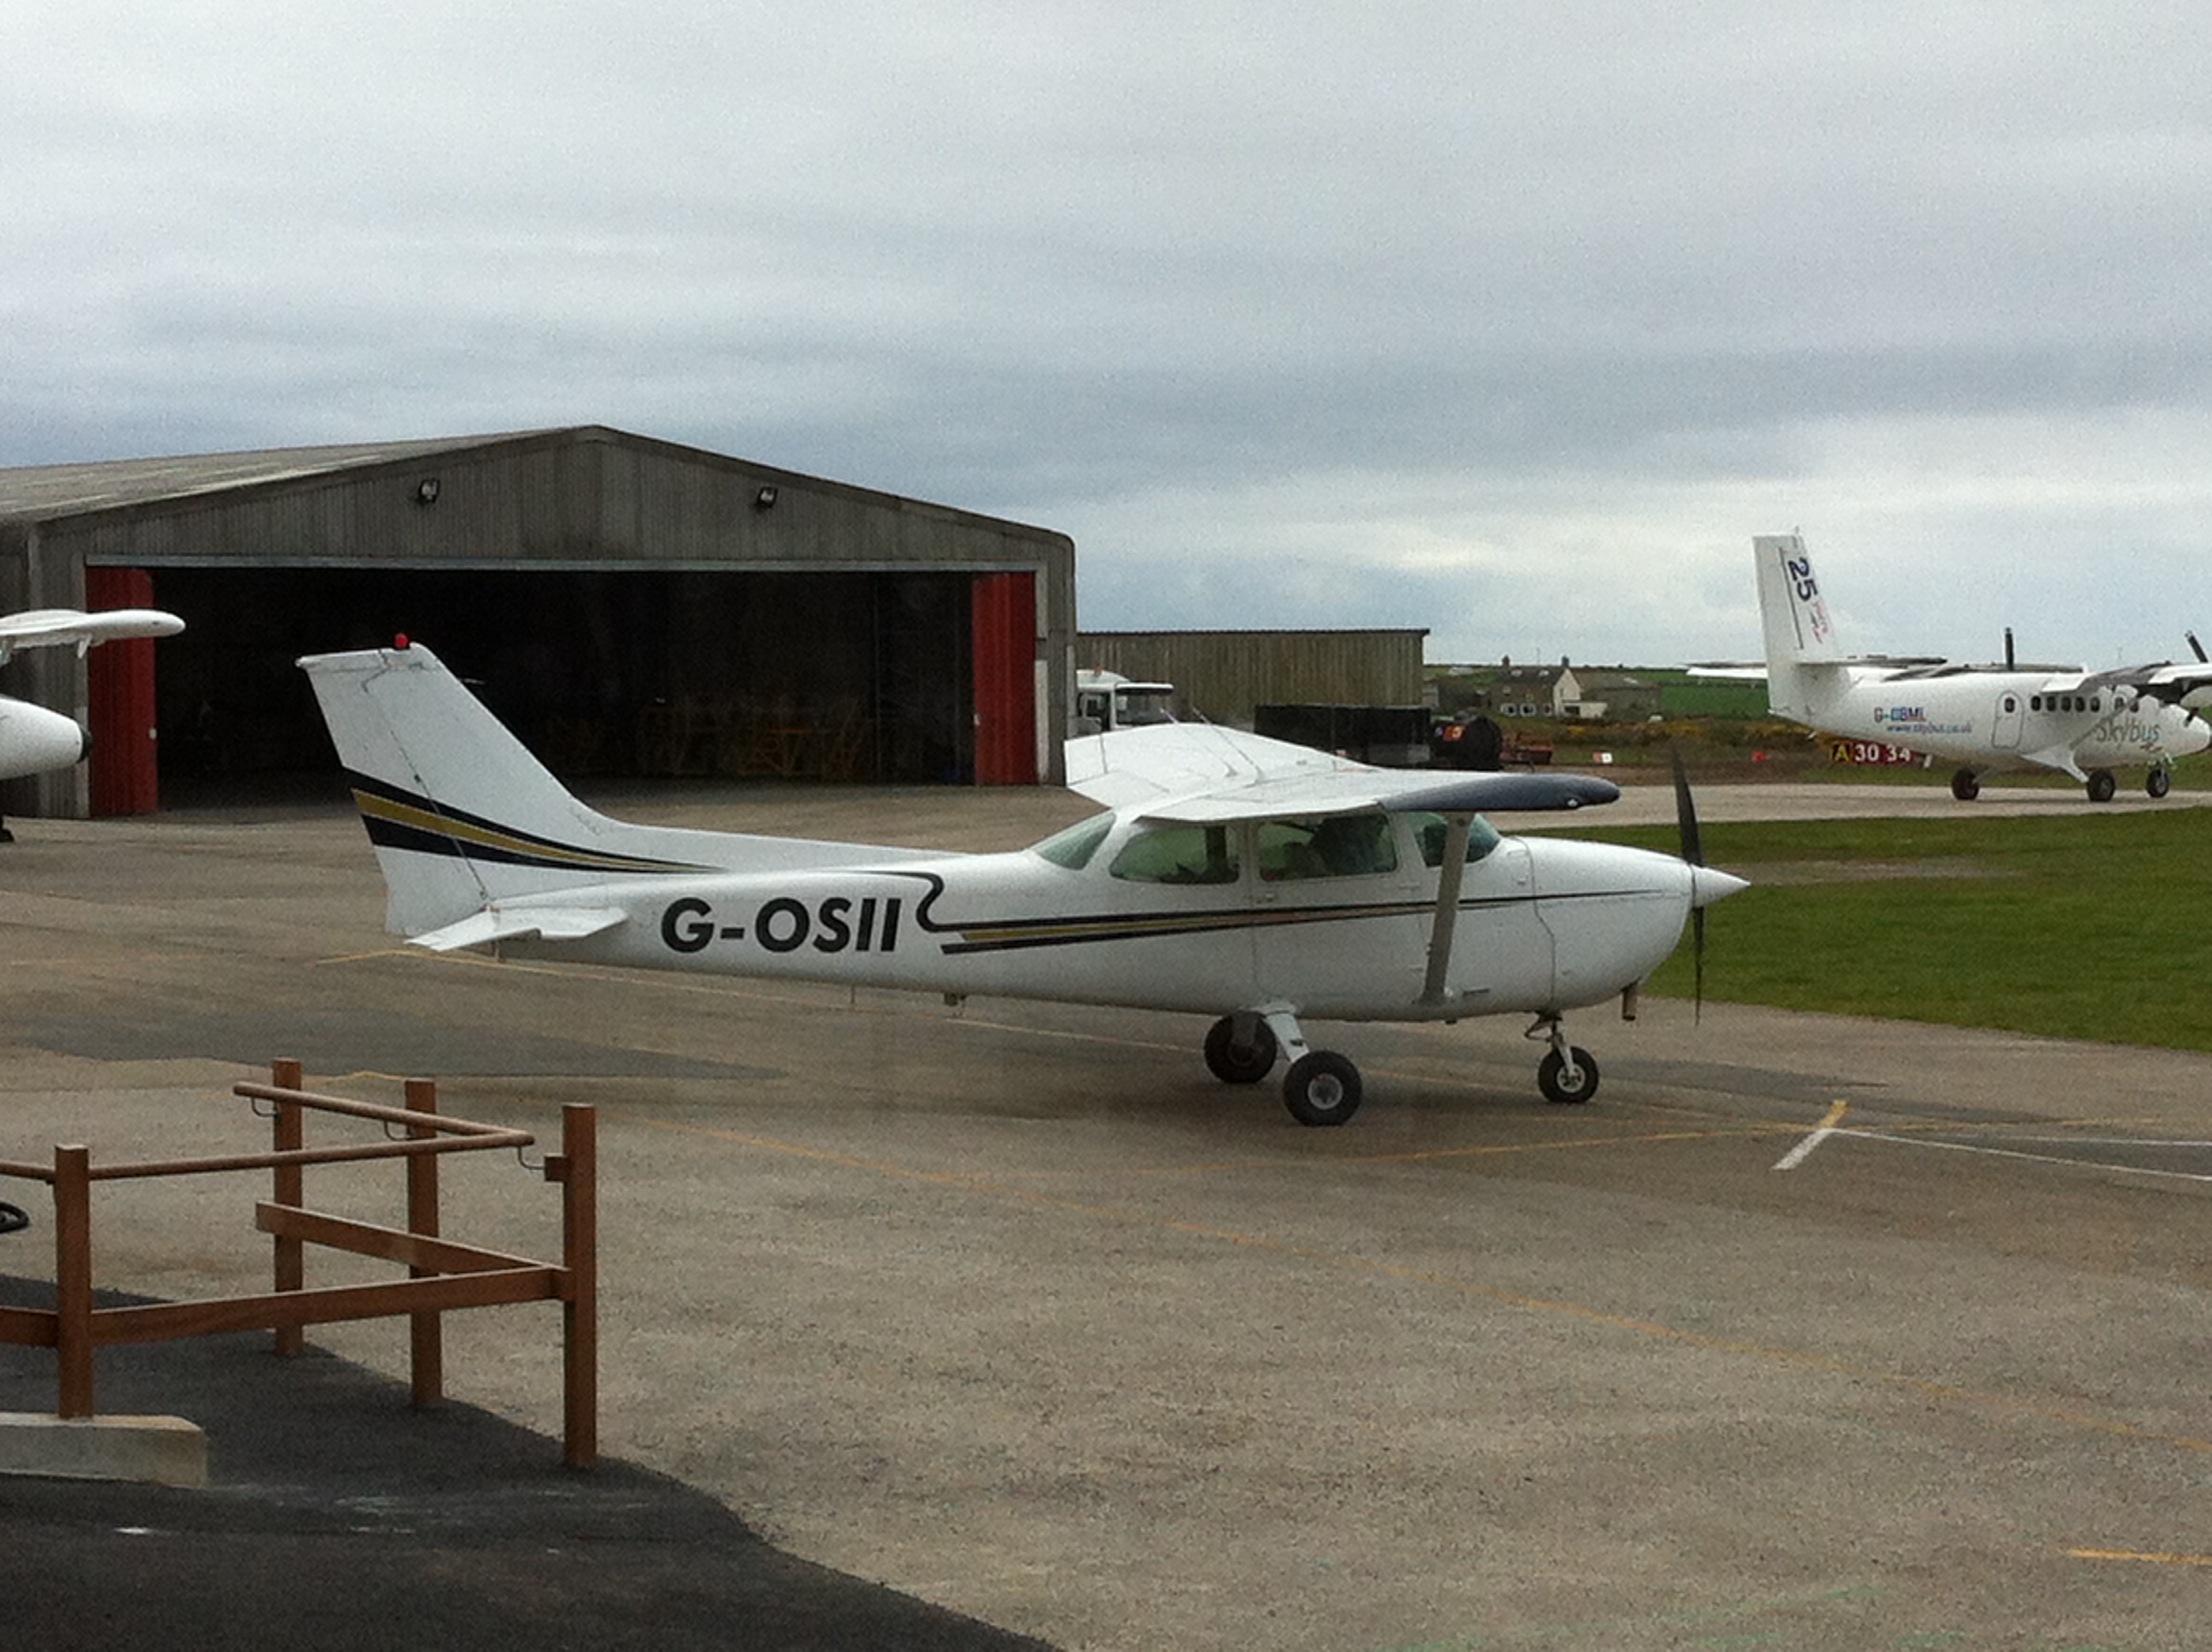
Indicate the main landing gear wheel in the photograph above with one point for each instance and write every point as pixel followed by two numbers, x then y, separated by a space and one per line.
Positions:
pixel 1966 786
pixel 1567 1078
pixel 2102 785
pixel 1322 1087
pixel 2158 782
pixel 1239 1064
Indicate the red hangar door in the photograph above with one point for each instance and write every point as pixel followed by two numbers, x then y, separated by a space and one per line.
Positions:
pixel 1005 654
pixel 126 770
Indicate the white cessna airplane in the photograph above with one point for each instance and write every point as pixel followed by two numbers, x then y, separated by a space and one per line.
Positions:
pixel 31 739
pixel 1984 717
pixel 1241 878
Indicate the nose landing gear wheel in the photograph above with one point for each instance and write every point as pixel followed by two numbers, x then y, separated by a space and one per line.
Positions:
pixel 1322 1087
pixel 1966 786
pixel 1563 1083
pixel 2158 783
pixel 1239 1064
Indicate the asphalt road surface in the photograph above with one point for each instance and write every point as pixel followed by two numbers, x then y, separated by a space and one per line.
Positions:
pixel 937 1326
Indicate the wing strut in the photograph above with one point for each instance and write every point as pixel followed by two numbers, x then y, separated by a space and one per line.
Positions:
pixel 1449 876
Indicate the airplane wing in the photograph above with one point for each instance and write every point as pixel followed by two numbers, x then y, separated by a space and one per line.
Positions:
pixel 1200 772
pixel 54 628
pixel 2188 683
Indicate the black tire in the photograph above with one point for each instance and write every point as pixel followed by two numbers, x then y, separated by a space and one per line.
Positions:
pixel 1550 1078
pixel 1321 1088
pixel 1239 1064
pixel 2102 785
pixel 1966 786
pixel 2158 782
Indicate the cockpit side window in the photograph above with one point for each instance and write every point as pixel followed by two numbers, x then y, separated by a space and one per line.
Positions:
pixel 1429 832
pixel 1339 846
pixel 1073 846
pixel 1178 855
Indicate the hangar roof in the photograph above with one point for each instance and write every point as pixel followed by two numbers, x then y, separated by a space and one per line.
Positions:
pixel 48 493
pixel 35 492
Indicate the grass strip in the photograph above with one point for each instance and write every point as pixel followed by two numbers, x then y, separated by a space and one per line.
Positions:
pixel 2068 928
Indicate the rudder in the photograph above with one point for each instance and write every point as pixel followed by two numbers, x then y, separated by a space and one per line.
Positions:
pixel 1799 634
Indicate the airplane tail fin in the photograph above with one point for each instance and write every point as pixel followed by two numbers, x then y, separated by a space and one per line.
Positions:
pixel 462 815
pixel 1799 639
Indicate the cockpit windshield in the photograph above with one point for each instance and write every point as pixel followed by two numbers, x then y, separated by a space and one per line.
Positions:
pixel 1429 832
pixel 1072 846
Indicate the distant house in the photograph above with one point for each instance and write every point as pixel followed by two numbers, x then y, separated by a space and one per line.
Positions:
pixel 1537 690
pixel 1569 693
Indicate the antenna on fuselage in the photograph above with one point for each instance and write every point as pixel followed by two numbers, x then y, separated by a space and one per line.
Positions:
pixel 2197 647
pixel 2008 665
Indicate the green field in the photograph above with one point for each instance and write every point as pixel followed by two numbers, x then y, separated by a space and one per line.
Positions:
pixel 2068 927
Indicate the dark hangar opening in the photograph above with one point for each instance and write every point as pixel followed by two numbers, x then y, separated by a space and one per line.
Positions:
pixel 840 676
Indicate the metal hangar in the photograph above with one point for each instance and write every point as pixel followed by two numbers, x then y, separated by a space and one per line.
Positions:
pixel 628 606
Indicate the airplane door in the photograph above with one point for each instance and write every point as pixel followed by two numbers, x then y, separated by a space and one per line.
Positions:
pixel 1337 923
pixel 2004 729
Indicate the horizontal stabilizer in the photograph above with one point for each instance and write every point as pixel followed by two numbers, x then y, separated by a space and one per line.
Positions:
pixel 514 924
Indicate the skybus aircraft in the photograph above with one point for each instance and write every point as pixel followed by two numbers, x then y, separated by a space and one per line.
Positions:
pixel 1984 717
pixel 1245 878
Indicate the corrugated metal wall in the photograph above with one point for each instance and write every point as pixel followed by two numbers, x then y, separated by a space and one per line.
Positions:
pixel 1224 674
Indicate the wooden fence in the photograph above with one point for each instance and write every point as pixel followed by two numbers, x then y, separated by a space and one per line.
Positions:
pixel 442 1273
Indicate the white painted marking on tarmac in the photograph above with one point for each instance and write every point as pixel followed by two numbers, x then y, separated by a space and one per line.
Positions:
pixel 1803 1150
pixel 2065 1160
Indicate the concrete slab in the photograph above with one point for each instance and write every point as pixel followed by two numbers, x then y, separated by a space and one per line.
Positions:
pixel 157 1450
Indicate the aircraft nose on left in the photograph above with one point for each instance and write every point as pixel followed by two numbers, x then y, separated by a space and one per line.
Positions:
pixel 1708 885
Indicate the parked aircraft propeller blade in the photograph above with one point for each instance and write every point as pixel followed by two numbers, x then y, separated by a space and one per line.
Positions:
pixel 1693 852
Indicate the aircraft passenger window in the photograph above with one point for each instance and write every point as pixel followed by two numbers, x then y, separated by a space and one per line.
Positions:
pixel 1178 855
pixel 2035 702
pixel 2095 703
pixel 1429 831
pixel 1341 845
pixel 1073 846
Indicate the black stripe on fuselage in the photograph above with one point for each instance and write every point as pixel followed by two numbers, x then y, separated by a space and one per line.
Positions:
pixel 397 819
pixel 1021 933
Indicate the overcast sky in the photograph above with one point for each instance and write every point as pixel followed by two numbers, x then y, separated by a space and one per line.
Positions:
pixel 1511 320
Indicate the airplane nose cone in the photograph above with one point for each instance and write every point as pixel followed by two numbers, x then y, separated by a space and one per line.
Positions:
pixel 33 740
pixel 1707 885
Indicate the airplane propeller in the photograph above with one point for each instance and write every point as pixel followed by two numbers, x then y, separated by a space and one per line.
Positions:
pixel 1693 852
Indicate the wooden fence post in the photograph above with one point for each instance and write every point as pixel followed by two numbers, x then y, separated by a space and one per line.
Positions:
pixel 427 1344
pixel 73 1279
pixel 289 1135
pixel 577 1169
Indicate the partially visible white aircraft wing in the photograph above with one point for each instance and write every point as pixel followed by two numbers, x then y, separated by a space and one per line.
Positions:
pixel 1172 760
pixel 1200 772
pixel 2188 683
pixel 54 628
